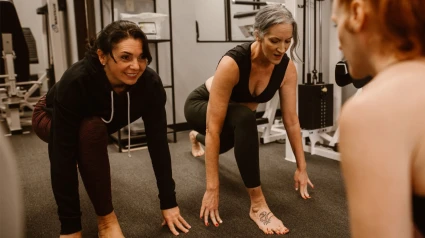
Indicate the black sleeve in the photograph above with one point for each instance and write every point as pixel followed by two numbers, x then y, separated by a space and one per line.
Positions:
pixel 155 121
pixel 63 153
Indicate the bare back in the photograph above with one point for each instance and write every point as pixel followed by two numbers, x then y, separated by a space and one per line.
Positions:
pixel 400 91
pixel 382 144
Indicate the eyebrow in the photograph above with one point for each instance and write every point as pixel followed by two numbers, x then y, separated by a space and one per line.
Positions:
pixel 280 38
pixel 128 53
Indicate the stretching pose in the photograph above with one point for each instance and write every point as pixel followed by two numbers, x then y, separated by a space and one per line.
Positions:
pixel 382 129
pixel 91 101
pixel 222 112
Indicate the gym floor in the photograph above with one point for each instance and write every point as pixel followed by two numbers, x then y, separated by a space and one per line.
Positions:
pixel 136 204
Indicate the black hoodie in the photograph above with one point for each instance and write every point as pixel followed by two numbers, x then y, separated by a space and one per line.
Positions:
pixel 84 91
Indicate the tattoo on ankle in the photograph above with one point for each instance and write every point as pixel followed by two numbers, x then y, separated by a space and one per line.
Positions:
pixel 266 217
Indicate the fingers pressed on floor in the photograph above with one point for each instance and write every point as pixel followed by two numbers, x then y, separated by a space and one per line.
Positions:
pixel 184 222
pixel 206 215
pixel 218 217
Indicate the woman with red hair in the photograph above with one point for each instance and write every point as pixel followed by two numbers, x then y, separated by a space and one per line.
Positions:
pixel 382 139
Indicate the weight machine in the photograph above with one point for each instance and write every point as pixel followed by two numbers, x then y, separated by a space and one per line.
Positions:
pixel 342 78
pixel 14 98
pixel 17 90
pixel 315 101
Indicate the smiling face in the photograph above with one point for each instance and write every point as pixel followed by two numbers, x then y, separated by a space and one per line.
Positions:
pixel 276 42
pixel 129 63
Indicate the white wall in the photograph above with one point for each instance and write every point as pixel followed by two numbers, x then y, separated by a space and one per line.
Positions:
pixel 193 62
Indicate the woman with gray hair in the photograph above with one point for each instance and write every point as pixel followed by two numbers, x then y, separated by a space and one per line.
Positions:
pixel 222 112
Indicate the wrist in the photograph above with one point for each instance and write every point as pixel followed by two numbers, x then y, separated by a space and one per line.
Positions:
pixel 302 166
pixel 213 186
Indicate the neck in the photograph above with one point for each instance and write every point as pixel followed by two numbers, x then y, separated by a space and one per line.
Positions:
pixel 257 55
pixel 116 85
pixel 382 61
pixel 119 88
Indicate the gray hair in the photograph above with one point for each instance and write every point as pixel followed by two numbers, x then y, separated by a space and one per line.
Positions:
pixel 276 14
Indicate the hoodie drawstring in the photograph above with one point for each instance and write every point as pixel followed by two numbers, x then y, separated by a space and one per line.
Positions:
pixel 128 117
pixel 112 109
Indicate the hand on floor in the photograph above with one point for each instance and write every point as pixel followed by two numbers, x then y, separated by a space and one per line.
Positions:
pixel 209 208
pixel 173 219
pixel 301 181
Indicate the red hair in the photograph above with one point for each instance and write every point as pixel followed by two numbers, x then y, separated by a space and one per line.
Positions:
pixel 402 25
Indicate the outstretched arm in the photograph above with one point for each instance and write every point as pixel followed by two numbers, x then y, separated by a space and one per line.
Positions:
pixel 376 170
pixel 225 78
pixel 288 102
pixel 156 133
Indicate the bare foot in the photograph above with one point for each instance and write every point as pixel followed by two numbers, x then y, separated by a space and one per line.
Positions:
pixel 108 226
pixel 197 150
pixel 266 221
pixel 73 235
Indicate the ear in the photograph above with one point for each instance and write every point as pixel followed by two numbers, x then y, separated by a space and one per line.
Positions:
pixel 257 38
pixel 102 57
pixel 357 17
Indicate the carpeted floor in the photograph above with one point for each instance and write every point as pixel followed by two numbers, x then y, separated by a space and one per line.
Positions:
pixel 137 206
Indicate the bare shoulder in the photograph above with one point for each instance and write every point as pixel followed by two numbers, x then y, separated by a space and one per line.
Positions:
pixel 227 72
pixel 390 111
pixel 291 73
pixel 227 64
pixel 396 93
pixel 385 109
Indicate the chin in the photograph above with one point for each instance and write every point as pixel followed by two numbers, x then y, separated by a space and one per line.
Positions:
pixel 131 82
pixel 275 62
pixel 357 72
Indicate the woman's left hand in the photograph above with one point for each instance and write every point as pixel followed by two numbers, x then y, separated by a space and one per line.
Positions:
pixel 301 181
pixel 173 219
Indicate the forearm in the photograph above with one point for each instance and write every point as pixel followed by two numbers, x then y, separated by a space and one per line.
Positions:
pixel 212 148
pixel 156 133
pixel 293 132
pixel 161 163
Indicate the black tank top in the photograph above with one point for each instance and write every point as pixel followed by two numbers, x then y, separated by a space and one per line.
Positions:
pixel 418 204
pixel 242 55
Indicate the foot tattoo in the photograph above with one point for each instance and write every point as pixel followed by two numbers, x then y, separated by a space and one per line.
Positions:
pixel 266 217
pixel 268 223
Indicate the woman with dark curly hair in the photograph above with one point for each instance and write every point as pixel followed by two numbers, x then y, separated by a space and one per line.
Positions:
pixel 107 90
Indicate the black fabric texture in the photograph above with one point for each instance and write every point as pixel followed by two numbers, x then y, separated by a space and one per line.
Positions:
pixel 84 91
pixel 418 204
pixel 242 56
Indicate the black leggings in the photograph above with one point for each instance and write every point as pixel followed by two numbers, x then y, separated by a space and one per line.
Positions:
pixel 93 164
pixel 239 131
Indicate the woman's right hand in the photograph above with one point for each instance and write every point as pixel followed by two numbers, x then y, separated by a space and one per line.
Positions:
pixel 209 207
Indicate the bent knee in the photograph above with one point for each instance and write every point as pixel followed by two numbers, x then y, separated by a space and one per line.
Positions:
pixel 243 116
pixel 41 120
pixel 93 129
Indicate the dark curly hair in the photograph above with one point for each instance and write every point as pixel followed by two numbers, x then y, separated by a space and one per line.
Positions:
pixel 114 33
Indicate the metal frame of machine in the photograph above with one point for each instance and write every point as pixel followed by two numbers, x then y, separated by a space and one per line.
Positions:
pixel 14 99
